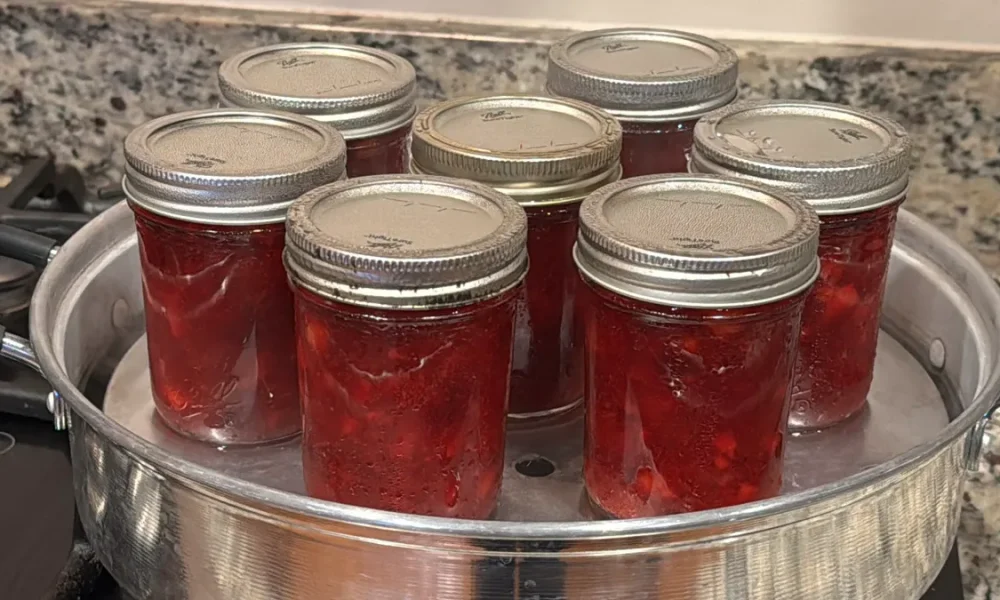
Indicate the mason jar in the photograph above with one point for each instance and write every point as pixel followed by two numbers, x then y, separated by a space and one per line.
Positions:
pixel 547 154
pixel 368 95
pixel 694 288
pixel 852 167
pixel 405 293
pixel 209 190
pixel 658 83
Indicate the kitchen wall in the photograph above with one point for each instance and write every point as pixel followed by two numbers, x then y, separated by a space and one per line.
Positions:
pixel 955 24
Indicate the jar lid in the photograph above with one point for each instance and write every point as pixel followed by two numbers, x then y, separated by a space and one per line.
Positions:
pixel 360 91
pixel 839 159
pixel 644 74
pixel 406 242
pixel 229 166
pixel 697 241
pixel 536 149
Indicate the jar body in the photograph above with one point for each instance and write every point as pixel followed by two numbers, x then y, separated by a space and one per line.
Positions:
pixel 381 154
pixel 220 329
pixel 686 408
pixel 405 410
pixel 655 148
pixel 547 373
pixel 840 323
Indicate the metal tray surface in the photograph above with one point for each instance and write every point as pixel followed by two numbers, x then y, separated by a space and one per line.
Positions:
pixel 543 475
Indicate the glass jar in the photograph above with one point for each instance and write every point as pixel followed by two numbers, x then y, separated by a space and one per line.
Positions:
pixel 853 168
pixel 369 95
pixel 209 190
pixel 405 291
pixel 547 154
pixel 658 83
pixel 693 291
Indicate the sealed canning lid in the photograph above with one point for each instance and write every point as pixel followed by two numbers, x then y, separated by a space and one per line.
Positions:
pixel 644 74
pixel 839 159
pixel 406 242
pixel 229 166
pixel 361 91
pixel 536 149
pixel 699 241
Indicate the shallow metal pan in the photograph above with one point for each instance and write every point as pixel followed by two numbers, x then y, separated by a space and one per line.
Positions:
pixel 870 510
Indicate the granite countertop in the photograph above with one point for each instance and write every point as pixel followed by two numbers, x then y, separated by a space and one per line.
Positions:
pixel 74 81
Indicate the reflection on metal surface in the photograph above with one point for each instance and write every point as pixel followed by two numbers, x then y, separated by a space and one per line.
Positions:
pixel 7 442
pixel 937 354
pixel 146 500
pixel 18 349
pixel 61 414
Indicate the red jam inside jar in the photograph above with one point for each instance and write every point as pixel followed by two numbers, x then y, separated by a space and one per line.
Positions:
pixel 210 190
pixel 547 375
pixel 405 290
pixel 840 324
pixel 405 410
pixel 686 408
pixel 852 167
pixel 690 328
pixel 220 329
pixel 547 154
pixel 655 148
pixel 380 154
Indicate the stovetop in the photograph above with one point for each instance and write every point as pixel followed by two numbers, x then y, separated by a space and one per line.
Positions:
pixel 43 551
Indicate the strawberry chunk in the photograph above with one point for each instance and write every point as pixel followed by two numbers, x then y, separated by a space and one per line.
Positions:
pixel 747 492
pixel 451 490
pixel 642 486
pixel 841 301
pixel 725 442
pixel 831 272
pixel 316 335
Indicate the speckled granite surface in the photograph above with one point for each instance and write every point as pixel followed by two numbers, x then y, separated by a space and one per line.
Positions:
pixel 73 81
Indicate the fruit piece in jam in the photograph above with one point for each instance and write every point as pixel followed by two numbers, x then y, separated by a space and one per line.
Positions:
pixel 686 408
pixel 840 322
pixel 380 154
pixel 220 329
pixel 547 375
pixel 405 410
pixel 654 148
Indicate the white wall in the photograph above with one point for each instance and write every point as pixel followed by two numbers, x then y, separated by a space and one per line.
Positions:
pixel 963 24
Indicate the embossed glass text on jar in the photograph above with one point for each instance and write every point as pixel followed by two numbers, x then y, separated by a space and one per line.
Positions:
pixel 693 293
pixel 209 190
pixel 405 292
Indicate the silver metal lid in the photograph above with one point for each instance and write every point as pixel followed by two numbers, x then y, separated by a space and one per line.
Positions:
pixel 644 74
pixel 536 149
pixel 406 242
pixel 229 166
pixel 697 241
pixel 360 91
pixel 839 159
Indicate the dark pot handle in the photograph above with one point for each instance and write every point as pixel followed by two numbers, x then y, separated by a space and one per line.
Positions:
pixel 26 246
pixel 36 250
